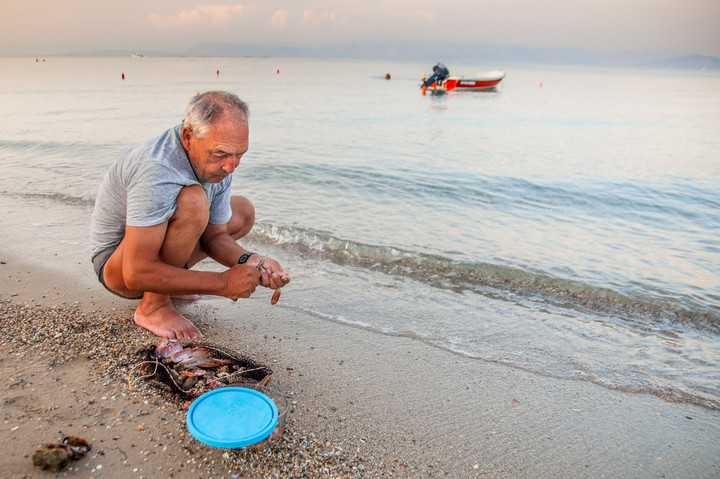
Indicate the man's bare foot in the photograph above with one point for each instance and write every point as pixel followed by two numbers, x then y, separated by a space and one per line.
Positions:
pixel 165 321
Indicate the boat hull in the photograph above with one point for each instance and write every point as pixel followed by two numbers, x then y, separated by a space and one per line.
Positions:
pixel 485 82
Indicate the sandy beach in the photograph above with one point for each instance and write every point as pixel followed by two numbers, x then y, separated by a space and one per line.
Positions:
pixel 363 404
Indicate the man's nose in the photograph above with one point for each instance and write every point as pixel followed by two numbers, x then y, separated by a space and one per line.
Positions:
pixel 231 164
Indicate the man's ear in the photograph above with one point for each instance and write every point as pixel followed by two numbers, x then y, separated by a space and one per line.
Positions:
pixel 186 137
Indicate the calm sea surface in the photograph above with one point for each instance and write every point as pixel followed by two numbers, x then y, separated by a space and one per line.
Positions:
pixel 568 224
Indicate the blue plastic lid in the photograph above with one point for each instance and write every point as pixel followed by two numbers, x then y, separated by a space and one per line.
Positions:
pixel 232 417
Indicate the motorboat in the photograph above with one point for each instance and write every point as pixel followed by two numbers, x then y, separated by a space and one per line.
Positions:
pixel 441 81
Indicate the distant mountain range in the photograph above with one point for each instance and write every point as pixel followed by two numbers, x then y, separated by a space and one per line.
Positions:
pixel 689 62
pixel 445 52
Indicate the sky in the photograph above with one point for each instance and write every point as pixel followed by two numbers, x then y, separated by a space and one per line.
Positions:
pixel 51 27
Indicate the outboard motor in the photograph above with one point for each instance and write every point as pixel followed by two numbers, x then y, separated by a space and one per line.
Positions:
pixel 440 73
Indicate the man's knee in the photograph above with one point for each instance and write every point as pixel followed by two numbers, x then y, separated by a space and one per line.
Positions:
pixel 192 205
pixel 243 217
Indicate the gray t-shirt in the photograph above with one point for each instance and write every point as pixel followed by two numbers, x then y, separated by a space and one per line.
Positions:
pixel 141 187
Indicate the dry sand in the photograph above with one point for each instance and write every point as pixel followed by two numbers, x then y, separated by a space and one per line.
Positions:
pixel 364 404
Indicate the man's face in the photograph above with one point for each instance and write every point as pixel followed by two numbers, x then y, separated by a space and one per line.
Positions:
pixel 217 154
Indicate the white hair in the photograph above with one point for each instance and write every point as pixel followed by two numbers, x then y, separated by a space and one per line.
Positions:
pixel 204 108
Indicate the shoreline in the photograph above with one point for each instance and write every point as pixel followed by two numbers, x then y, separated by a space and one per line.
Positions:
pixel 364 404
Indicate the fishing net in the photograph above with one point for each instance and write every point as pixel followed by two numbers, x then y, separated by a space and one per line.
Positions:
pixel 194 368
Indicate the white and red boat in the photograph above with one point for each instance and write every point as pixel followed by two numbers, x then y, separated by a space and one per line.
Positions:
pixel 441 81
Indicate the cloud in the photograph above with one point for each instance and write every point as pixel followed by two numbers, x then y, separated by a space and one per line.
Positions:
pixel 311 19
pixel 422 10
pixel 216 15
pixel 279 19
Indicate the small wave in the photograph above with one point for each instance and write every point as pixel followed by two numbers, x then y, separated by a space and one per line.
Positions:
pixel 57 148
pixel 57 197
pixel 493 280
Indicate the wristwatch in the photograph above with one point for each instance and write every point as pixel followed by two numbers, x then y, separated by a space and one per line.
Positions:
pixel 243 259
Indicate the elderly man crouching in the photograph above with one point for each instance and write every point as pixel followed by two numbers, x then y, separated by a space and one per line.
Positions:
pixel 165 205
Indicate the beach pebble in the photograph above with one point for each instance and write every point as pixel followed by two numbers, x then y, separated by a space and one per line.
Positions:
pixel 65 333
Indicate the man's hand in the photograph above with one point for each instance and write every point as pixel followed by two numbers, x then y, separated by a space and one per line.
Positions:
pixel 271 273
pixel 241 281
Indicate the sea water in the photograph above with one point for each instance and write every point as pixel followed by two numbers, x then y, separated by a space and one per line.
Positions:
pixel 566 224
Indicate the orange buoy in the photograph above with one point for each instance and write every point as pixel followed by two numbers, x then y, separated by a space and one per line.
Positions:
pixel 218 73
pixel 278 72
pixel 387 76
pixel 123 76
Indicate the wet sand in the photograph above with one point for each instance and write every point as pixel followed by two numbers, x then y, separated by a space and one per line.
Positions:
pixel 364 404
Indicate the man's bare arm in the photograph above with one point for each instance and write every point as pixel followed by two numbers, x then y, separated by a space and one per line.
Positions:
pixel 146 267
pixel 217 243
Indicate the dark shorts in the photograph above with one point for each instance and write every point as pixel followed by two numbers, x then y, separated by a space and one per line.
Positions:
pixel 99 261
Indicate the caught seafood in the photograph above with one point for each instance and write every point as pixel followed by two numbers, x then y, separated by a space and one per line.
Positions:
pixel 196 358
pixel 189 353
pixel 276 295
pixel 167 348
pixel 194 368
